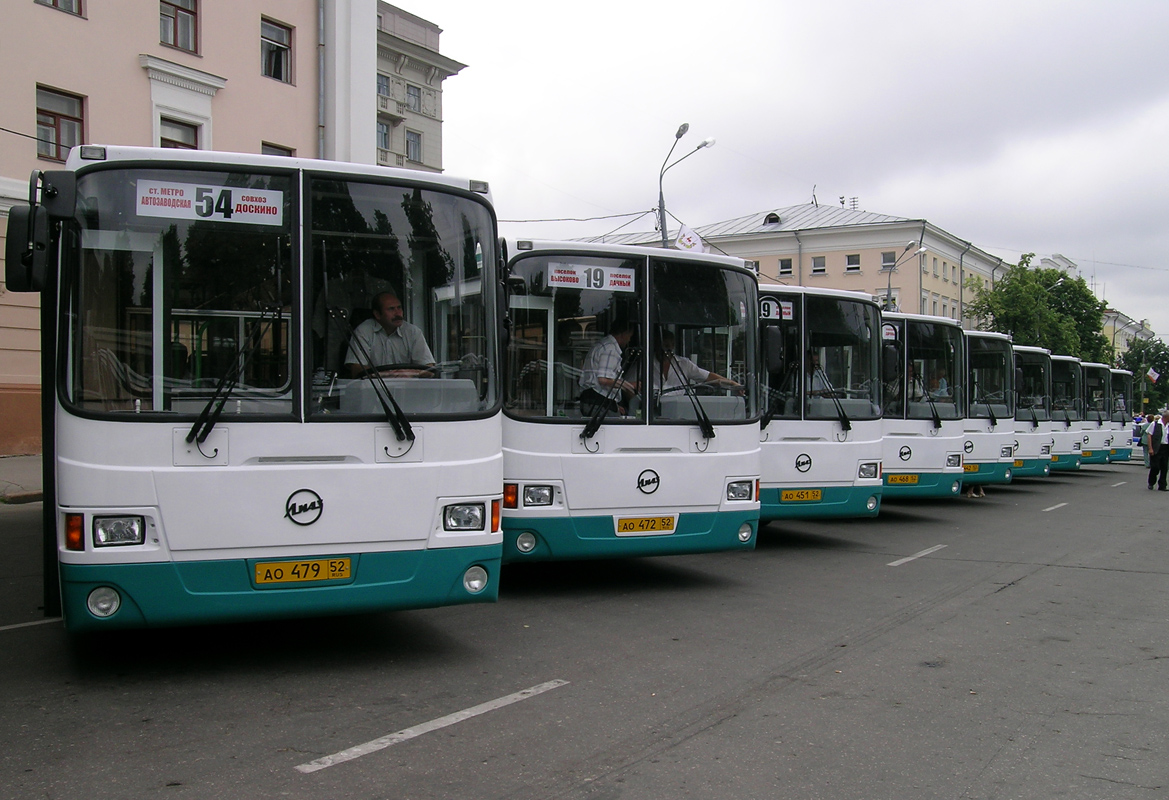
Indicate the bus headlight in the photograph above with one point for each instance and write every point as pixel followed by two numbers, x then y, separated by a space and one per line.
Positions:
pixel 1045 450
pixel 868 470
pixel 537 495
pixel 1006 452
pixel 464 517
pixel 475 579
pixel 1076 446
pixel 745 532
pixel 741 490
pixel 118 531
pixel 871 503
pixel 957 487
pixel 525 542
pixel 103 601
pixel 954 460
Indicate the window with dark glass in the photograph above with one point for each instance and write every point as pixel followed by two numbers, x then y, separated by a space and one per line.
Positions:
pixel 178 135
pixel 178 23
pixel 413 97
pixel 268 149
pixel 276 51
pixel 991 379
pixel 413 146
pixel 60 125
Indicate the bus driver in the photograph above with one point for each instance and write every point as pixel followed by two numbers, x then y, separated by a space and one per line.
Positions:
pixel 388 340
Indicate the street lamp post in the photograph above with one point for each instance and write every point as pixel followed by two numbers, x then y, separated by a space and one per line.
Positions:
pixel 708 142
pixel 893 268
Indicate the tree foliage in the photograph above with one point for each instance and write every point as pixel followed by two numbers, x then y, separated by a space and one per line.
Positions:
pixel 1140 356
pixel 1044 308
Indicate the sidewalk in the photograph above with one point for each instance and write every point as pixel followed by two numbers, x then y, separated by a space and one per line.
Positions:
pixel 20 479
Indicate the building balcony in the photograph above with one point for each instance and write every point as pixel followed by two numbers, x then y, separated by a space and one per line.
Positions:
pixel 391 108
pixel 388 158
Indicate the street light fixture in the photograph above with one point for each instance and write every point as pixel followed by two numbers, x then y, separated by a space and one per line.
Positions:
pixel 889 285
pixel 708 142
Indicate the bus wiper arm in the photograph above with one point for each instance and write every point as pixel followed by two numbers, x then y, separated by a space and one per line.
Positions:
pixel 207 418
pixel 602 409
pixel 704 423
pixel 844 422
pixel 394 414
pixel 990 411
pixel 933 409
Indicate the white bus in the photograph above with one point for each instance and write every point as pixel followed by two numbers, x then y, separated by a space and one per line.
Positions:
pixel 924 370
pixel 989 444
pixel 1033 425
pixel 1099 434
pixel 631 419
pixel 1067 413
pixel 821 428
pixel 1122 415
pixel 219 446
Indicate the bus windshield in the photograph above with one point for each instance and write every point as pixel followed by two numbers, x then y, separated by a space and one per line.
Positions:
pixel 927 376
pixel 991 384
pixel 1066 392
pixel 1033 387
pixel 1098 392
pixel 179 283
pixel 578 340
pixel 835 370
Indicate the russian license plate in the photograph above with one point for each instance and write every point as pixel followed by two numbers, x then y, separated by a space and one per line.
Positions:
pixel 638 526
pixel 799 495
pixel 1086 454
pixel 902 478
pixel 970 467
pixel 1018 462
pixel 317 569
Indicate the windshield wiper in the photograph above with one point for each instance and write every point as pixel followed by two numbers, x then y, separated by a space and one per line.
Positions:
pixel 704 422
pixel 601 409
pixel 394 414
pixel 990 411
pixel 207 418
pixel 844 423
pixel 933 408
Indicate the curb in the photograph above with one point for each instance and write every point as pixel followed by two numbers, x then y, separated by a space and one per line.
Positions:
pixel 18 498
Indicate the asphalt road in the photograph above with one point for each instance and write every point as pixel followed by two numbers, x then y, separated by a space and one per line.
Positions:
pixel 1020 654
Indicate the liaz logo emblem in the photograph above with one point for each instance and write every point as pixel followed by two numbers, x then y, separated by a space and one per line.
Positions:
pixel 803 462
pixel 648 481
pixel 303 507
pixel 969 446
pixel 905 453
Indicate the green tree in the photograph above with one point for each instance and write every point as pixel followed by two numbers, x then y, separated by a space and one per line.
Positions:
pixel 1043 308
pixel 1140 356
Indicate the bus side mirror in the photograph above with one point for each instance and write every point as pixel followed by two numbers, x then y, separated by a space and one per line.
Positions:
pixel 774 349
pixel 26 250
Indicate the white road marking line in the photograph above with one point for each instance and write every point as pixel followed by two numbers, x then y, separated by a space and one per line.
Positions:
pixel 907 559
pixel 1122 483
pixel 30 624
pixel 1054 507
pixel 426 727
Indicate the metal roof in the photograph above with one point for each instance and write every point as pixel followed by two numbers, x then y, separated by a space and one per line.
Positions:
pixel 792 218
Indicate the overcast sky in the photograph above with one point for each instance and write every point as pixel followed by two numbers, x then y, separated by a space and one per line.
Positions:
pixel 1020 126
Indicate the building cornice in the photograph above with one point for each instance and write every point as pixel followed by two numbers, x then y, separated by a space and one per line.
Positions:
pixel 194 80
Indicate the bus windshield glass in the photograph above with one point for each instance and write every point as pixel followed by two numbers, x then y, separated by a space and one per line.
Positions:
pixel 180 282
pixel 704 342
pixel 1121 397
pixel 841 360
pixel 1033 388
pixel 927 374
pixel 398 300
pixel 1066 392
pixel 178 288
pixel 991 385
pixel 1098 392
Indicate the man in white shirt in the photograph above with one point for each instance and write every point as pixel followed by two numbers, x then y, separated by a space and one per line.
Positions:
pixel 1159 451
pixel 388 339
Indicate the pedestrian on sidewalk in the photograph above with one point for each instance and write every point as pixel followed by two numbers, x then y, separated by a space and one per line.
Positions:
pixel 1159 451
